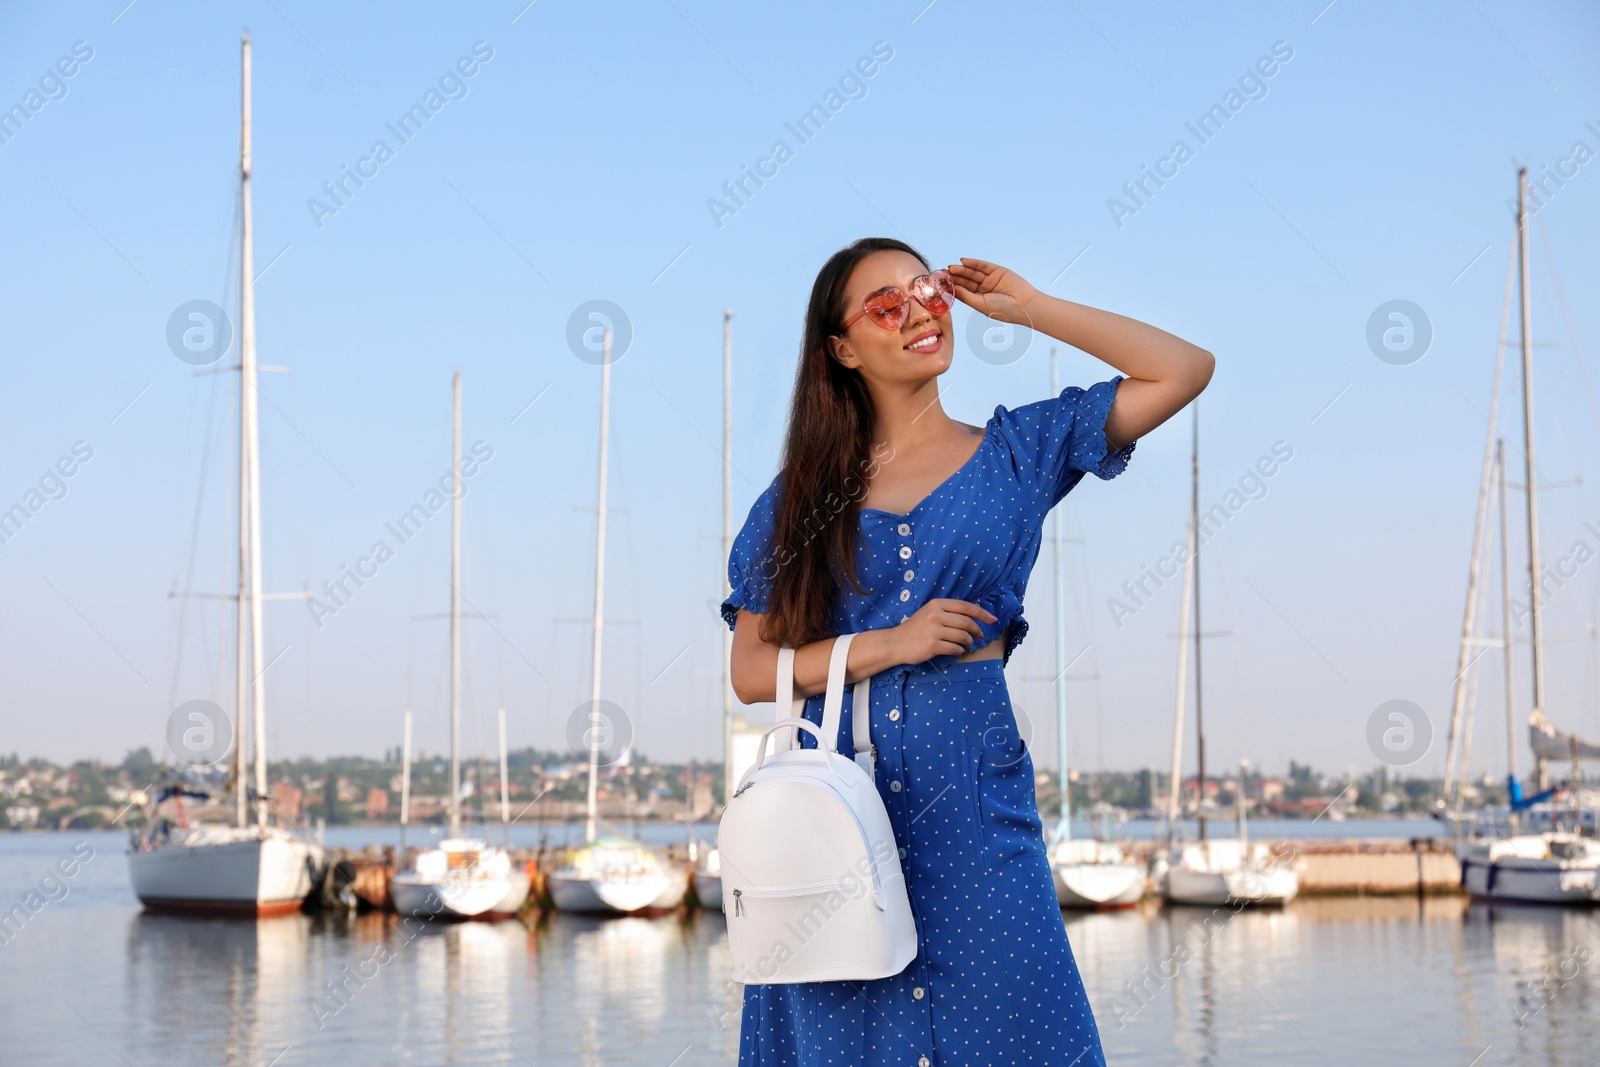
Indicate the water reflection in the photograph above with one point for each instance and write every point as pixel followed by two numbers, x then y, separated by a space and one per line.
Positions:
pixel 569 989
pixel 231 989
pixel 1343 980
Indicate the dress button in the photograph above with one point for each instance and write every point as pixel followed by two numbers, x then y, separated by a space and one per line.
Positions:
pixel 894 716
pixel 919 993
pixel 904 529
pixel 902 853
pixel 910 575
pixel 924 1062
pixel 905 594
pixel 894 786
pixel 905 551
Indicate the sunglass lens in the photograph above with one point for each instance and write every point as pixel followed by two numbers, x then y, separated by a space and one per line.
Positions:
pixel 888 310
pixel 936 291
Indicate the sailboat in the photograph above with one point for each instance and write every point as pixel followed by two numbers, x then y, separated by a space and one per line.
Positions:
pixel 611 875
pixel 1211 871
pixel 1088 872
pixel 464 878
pixel 249 869
pixel 1555 866
pixel 708 866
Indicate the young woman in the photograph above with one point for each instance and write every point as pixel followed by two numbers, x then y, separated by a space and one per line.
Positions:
pixel 891 520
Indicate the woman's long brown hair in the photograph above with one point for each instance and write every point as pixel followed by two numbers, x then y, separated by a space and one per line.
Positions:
pixel 827 463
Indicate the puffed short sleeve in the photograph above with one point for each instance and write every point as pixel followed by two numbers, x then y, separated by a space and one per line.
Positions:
pixel 1055 442
pixel 751 564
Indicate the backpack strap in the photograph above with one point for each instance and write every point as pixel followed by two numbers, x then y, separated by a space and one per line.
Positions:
pixel 861 724
pixel 785 694
pixel 833 703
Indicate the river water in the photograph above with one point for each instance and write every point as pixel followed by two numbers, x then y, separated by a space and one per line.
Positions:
pixel 89 979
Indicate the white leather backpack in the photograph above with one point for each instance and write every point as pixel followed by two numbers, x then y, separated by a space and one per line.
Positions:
pixel 812 887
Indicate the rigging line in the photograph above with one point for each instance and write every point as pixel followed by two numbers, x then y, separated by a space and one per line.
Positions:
pixel 483 537
pixel 205 452
pixel 416 603
pixel 1566 315
pixel 194 539
pixel 633 575
pixel 1078 591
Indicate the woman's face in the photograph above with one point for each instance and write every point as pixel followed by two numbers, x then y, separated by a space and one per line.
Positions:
pixel 920 349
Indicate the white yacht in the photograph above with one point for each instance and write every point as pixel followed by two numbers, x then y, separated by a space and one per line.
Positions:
pixel 464 878
pixel 248 869
pixel 1552 868
pixel 1089 873
pixel 1211 871
pixel 1534 860
pixel 610 875
pixel 708 880
pixel 1228 871
pixel 616 876
pixel 1095 874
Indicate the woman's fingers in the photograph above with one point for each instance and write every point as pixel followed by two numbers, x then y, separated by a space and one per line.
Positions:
pixel 966 607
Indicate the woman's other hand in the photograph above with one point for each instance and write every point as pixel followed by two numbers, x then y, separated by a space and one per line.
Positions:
pixel 942 627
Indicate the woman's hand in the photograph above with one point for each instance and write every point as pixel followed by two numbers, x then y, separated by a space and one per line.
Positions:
pixel 942 627
pixel 992 290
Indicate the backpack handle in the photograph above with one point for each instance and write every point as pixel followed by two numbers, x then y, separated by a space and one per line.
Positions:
pixel 833 703
pixel 818 754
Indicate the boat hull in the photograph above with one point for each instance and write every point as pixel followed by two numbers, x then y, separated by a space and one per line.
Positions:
pixel 471 900
pixel 596 895
pixel 1268 888
pixel 708 890
pixel 516 895
pixel 1098 886
pixel 263 876
pixel 1520 869
pixel 677 888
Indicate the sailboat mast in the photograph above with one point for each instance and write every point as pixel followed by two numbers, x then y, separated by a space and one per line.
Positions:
pixel 505 785
pixel 1505 616
pixel 727 549
pixel 1527 451
pixel 1199 716
pixel 455 607
pixel 405 787
pixel 252 453
pixel 241 693
pixel 1064 829
pixel 1176 779
pixel 594 732
pixel 1455 767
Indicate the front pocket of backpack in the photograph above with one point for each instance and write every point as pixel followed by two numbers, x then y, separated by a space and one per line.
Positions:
pixel 797 928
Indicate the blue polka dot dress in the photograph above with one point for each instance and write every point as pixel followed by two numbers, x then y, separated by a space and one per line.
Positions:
pixel 994 982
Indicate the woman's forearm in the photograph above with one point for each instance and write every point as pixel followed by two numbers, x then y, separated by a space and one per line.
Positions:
pixel 1163 372
pixel 755 662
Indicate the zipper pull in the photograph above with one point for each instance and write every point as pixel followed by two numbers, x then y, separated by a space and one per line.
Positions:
pixel 738 904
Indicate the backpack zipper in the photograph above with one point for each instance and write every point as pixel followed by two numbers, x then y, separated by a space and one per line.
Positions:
pixel 784 891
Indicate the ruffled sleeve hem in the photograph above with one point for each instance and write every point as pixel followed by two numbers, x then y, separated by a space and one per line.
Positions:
pixel 749 564
pixel 1006 606
pixel 741 599
pixel 1087 449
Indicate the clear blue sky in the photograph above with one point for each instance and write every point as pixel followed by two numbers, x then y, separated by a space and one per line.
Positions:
pixel 577 162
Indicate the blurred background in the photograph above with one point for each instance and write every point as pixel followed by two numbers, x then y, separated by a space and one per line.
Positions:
pixel 596 153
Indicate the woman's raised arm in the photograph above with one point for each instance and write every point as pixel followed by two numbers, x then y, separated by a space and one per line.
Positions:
pixel 1163 372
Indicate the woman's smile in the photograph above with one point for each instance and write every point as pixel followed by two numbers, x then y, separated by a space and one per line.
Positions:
pixel 927 341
